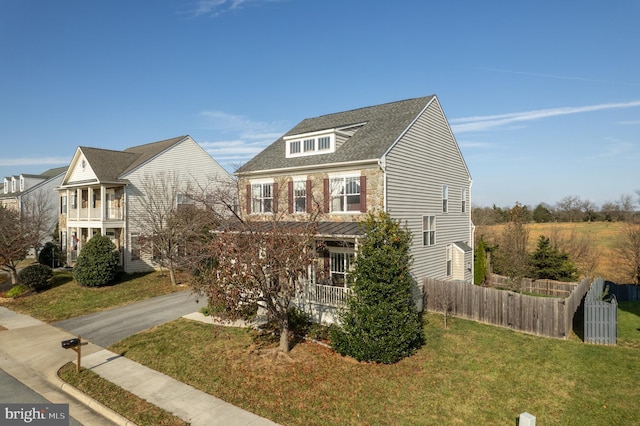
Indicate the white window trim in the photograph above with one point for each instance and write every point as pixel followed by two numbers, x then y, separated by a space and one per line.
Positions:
pixel 445 199
pixel 300 180
pixel 434 229
pixel 315 136
pixel 262 182
pixel 343 176
pixel 463 207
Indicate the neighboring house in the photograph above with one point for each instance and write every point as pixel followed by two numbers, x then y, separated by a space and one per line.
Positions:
pixel 38 191
pixel 399 157
pixel 102 191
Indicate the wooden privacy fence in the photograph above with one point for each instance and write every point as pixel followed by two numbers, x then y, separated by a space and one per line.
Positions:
pixel 600 316
pixel 548 287
pixel 624 292
pixel 543 316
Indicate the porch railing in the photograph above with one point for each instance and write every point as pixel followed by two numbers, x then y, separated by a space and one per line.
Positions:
pixel 325 294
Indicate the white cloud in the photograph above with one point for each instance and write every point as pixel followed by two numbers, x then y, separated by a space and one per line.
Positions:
pixel 35 161
pixel 480 123
pixel 239 138
pixel 218 7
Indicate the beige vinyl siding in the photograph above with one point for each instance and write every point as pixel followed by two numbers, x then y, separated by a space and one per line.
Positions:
pixel 424 159
pixel 78 174
pixel 187 160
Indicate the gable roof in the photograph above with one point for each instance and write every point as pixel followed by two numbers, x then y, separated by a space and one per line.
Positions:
pixel 109 165
pixel 383 125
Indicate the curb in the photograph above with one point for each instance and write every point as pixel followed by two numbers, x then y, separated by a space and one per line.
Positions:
pixel 85 399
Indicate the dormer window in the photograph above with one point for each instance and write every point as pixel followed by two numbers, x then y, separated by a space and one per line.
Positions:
pixel 310 144
pixel 6 185
pixel 21 183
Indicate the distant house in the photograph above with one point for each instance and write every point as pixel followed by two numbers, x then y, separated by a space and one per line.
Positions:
pixel 35 191
pixel 102 189
pixel 399 157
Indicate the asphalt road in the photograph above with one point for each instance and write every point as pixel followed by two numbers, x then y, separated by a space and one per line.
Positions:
pixel 13 391
pixel 108 327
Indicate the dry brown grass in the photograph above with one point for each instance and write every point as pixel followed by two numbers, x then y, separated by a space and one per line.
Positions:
pixel 602 235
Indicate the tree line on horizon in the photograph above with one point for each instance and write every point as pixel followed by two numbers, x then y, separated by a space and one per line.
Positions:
pixel 570 208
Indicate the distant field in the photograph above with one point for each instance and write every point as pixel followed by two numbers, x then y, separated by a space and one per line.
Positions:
pixel 603 235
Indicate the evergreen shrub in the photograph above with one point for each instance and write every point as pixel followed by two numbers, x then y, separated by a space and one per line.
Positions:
pixel 37 277
pixel 97 263
pixel 380 323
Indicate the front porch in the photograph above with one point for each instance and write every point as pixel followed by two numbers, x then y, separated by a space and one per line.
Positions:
pixel 321 302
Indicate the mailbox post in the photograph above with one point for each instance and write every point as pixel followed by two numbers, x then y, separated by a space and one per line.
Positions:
pixel 74 344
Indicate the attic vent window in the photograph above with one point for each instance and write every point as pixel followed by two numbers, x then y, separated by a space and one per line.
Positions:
pixel 324 143
pixel 310 144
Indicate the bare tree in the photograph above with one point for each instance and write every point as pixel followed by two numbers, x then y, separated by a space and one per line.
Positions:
pixel 14 242
pixel 169 220
pixel 570 208
pixel 629 250
pixel 626 206
pixel 511 258
pixel 589 210
pixel 580 247
pixel 483 215
pixel 250 263
pixel 444 302
pixel 39 216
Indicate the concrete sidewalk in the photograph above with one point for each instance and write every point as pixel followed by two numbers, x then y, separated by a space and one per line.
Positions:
pixel 30 351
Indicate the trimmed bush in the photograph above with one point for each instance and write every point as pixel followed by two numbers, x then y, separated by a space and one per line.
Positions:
pixel 50 255
pixel 381 322
pixel 37 277
pixel 97 263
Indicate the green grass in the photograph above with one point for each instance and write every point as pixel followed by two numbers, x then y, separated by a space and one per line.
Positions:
pixel 629 324
pixel 119 400
pixel 67 299
pixel 469 373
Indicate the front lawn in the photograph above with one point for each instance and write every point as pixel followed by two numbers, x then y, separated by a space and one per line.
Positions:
pixel 469 373
pixel 67 299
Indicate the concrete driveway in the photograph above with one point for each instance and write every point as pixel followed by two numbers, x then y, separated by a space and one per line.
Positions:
pixel 108 327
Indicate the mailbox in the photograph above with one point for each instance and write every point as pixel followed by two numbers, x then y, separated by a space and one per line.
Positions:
pixel 71 343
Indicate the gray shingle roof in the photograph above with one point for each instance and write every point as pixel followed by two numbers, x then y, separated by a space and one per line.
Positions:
pixel 384 124
pixel 109 165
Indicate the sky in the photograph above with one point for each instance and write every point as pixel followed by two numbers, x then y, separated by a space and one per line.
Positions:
pixel 543 97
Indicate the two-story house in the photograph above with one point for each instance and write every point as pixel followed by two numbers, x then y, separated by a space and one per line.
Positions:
pixel 102 191
pixel 30 194
pixel 399 157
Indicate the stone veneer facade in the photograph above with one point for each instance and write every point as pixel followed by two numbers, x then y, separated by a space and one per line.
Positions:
pixel 374 196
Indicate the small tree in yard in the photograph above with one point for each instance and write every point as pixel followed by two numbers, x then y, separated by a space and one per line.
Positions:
pixel 14 242
pixel 551 264
pixel 628 249
pixel 97 263
pixel 480 268
pixel 380 322
pixel 255 263
pixel 511 257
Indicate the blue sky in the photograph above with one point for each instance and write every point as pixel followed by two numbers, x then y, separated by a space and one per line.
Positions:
pixel 543 97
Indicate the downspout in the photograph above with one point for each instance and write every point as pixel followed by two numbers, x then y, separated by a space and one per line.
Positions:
pixel 472 231
pixel 382 163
